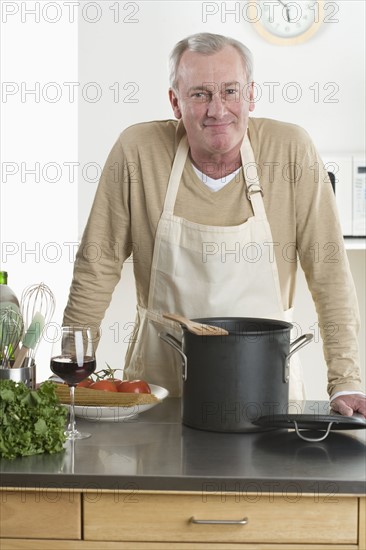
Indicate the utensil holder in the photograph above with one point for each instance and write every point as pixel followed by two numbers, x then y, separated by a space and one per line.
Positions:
pixel 25 374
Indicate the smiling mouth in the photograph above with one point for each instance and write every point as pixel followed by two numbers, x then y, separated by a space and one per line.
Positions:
pixel 219 125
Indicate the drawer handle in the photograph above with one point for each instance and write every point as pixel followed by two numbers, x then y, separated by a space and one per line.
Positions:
pixel 243 521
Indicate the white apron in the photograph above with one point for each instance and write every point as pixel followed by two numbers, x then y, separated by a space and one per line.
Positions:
pixel 206 271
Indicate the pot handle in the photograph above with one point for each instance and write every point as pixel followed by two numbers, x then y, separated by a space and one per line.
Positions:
pixel 312 439
pixel 297 344
pixel 169 339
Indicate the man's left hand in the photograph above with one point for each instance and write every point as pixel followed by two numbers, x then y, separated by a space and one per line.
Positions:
pixel 349 404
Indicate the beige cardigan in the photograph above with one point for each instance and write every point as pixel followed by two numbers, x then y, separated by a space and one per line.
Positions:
pixel 300 207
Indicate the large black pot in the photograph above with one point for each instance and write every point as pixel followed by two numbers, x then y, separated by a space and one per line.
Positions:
pixel 231 381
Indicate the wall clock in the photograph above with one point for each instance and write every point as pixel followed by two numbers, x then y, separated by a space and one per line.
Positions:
pixel 286 22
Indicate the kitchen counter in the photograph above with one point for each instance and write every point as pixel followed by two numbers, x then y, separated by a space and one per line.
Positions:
pixel 150 483
pixel 154 451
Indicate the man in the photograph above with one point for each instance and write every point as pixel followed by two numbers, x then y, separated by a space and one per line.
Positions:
pixel 214 207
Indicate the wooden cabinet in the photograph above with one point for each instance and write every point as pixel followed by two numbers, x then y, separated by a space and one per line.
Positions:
pixel 42 514
pixel 173 520
pixel 225 518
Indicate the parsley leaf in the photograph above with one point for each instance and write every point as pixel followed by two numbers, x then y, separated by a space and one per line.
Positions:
pixel 31 421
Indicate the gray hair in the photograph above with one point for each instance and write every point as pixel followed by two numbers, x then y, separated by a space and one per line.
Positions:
pixel 207 43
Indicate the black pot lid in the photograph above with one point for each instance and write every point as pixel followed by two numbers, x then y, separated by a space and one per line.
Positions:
pixel 314 422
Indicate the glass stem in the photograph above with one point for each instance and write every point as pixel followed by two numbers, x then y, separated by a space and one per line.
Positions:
pixel 71 426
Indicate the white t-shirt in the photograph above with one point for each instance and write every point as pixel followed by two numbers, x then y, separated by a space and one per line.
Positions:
pixel 215 185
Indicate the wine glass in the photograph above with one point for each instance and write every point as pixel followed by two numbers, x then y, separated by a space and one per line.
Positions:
pixel 73 360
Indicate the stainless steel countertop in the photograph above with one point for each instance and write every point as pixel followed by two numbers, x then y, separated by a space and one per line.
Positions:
pixel 156 452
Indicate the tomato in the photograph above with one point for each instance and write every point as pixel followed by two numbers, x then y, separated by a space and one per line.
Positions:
pixel 134 386
pixel 85 383
pixel 117 381
pixel 104 385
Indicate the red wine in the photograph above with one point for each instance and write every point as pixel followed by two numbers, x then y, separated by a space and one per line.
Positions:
pixel 68 369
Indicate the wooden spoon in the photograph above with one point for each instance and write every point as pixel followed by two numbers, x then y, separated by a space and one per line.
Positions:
pixel 196 328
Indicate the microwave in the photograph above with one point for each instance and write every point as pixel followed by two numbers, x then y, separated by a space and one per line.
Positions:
pixel 349 184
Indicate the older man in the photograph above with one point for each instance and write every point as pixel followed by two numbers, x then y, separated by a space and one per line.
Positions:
pixel 216 207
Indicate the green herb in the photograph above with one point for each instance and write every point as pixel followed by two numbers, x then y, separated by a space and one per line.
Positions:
pixel 32 422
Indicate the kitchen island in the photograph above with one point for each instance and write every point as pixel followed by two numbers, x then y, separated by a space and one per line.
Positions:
pixel 151 483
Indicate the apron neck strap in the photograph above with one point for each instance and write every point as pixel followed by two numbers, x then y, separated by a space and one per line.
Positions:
pixel 176 174
pixel 251 178
pixel 249 166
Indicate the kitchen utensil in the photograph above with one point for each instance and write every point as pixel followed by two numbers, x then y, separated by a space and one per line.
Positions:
pixel 306 424
pixel 11 331
pixel 230 382
pixel 37 297
pixel 200 329
pixel 30 339
pixel 23 374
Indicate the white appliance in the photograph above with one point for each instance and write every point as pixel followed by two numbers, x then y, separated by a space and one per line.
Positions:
pixel 350 192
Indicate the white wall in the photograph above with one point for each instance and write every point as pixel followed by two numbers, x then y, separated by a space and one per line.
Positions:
pixel 129 49
pixel 39 204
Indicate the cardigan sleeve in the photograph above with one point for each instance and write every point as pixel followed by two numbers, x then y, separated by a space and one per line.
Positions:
pixel 324 260
pixel 106 243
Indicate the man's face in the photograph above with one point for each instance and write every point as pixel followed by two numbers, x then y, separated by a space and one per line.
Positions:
pixel 213 100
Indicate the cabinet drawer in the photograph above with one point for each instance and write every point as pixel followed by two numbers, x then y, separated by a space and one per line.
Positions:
pixel 40 514
pixel 167 517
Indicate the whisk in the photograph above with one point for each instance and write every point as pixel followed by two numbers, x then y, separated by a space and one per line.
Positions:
pixel 11 332
pixel 36 298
